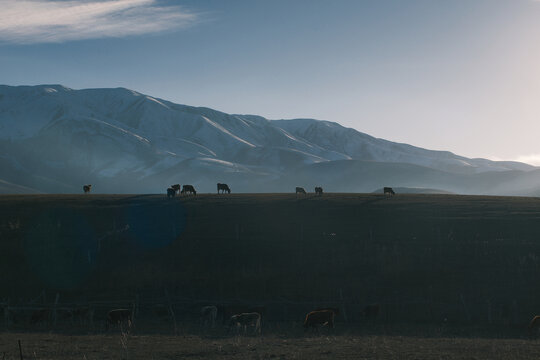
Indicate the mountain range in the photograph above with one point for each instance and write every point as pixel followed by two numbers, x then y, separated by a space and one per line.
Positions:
pixel 54 139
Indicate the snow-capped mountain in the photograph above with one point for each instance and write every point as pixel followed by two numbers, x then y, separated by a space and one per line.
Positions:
pixel 54 139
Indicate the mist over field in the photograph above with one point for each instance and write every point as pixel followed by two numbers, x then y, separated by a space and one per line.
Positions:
pixel 54 139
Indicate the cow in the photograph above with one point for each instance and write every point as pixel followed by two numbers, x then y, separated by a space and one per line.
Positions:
pixel 40 316
pixel 223 188
pixel 188 189
pixel 208 315
pixel 319 317
pixel 170 193
pixel 300 190
pixel 534 325
pixel 226 311
pixel 119 317
pixel 244 320
pixel 318 190
pixel 388 191
pixel 371 312
pixel 176 188
pixel 87 188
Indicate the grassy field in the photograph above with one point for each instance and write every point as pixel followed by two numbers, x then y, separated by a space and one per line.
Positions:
pixel 471 263
pixel 274 346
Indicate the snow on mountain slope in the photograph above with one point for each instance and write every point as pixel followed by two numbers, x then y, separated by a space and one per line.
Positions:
pixel 118 135
pixel 357 145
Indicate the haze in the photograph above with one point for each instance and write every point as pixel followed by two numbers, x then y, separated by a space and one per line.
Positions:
pixel 456 75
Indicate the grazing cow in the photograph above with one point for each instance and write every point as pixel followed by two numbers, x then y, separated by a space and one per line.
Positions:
pixel 533 327
pixel 87 188
pixel 319 317
pixel 170 193
pixel 176 188
pixel 371 312
pixel 40 316
pixel 244 320
pixel 188 189
pixel 300 190
pixel 226 311
pixel 119 317
pixel 223 188
pixel 318 190
pixel 388 191
pixel 208 315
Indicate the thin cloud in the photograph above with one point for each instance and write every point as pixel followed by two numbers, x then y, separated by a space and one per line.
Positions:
pixel 39 21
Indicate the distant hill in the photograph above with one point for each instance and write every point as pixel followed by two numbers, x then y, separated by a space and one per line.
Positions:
pixel 54 139
pixel 406 190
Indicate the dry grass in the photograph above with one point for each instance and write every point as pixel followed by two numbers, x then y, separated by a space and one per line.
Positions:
pixel 58 347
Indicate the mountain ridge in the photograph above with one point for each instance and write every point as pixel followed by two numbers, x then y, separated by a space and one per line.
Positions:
pixel 114 136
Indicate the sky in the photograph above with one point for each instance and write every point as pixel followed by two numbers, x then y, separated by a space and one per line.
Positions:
pixel 456 75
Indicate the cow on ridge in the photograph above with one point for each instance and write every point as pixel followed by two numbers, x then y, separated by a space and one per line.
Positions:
pixel 170 192
pixel 223 188
pixel 318 190
pixel 176 188
pixel 300 190
pixel 87 188
pixel 388 191
pixel 188 189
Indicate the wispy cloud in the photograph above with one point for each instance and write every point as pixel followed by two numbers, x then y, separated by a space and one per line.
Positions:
pixel 40 21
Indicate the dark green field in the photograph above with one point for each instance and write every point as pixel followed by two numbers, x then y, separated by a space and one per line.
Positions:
pixel 470 260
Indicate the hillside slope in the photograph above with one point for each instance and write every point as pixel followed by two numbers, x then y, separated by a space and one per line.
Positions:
pixel 54 139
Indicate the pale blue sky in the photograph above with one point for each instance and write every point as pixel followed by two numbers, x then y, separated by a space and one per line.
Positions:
pixel 458 75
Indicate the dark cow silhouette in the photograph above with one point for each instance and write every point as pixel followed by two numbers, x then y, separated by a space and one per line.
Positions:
pixel 87 188
pixel 176 188
pixel 319 317
pixel 389 191
pixel 118 317
pixel 371 312
pixel 318 190
pixel 300 190
pixel 188 189
pixel 244 320
pixel 223 188
pixel 170 192
pixel 533 327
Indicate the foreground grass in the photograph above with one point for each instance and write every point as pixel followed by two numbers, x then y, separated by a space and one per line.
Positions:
pixel 114 346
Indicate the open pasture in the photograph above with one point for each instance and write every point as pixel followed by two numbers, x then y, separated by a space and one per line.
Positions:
pixel 46 346
pixel 430 261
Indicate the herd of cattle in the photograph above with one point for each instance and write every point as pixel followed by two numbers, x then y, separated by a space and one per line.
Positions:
pixel 176 189
pixel 235 318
